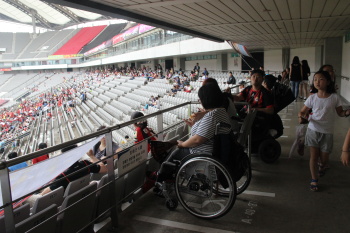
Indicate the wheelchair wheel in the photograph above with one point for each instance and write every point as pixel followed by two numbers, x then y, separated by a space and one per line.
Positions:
pixel 197 186
pixel 243 183
pixel 269 150
pixel 172 204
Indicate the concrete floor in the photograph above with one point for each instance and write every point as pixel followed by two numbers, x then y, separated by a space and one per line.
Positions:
pixel 278 199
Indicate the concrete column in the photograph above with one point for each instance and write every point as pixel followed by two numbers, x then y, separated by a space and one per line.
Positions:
pixel 177 63
pixel 137 64
pixel 318 57
pixel 332 52
pixel 183 63
pixel 221 62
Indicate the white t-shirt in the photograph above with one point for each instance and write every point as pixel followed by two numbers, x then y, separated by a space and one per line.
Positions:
pixel 323 112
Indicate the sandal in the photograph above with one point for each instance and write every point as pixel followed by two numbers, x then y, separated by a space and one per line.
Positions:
pixel 314 187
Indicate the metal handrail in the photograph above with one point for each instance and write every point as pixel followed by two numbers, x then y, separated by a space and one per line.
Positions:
pixel 4 164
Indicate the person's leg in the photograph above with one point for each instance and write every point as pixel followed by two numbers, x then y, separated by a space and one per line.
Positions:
pixel 293 87
pixel 326 149
pixel 314 155
pixel 324 160
pixel 305 86
pixel 300 91
pixel 297 89
pixel 166 169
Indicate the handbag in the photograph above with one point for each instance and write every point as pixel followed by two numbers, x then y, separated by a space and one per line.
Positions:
pixel 160 150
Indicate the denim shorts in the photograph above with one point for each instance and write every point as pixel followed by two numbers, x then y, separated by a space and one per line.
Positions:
pixel 319 140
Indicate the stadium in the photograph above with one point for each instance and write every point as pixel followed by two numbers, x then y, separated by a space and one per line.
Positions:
pixel 77 88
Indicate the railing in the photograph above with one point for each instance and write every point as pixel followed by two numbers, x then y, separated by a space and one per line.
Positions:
pixel 4 172
pixel 5 176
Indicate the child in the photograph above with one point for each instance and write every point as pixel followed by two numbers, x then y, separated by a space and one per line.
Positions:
pixel 319 135
pixel 142 131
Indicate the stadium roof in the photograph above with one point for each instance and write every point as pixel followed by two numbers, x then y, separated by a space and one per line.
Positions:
pixel 254 23
pixel 46 15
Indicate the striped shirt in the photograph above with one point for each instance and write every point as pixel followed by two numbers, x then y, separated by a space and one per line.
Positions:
pixel 206 126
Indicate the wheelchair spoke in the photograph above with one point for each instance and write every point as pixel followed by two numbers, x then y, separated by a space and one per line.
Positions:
pixel 195 190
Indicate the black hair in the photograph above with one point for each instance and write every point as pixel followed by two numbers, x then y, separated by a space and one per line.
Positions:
pixel 12 155
pixel 210 80
pixel 296 60
pixel 257 71
pixel 135 115
pixel 330 87
pixel 210 96
pixel 42 145
pixel 322 67
pixel 270 81
pixel 69 148
pixel 305 63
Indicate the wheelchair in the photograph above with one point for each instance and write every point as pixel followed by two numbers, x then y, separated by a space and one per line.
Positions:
pixel 203 184
pixel 264 142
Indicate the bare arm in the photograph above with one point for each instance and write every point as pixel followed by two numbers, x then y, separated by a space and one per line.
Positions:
pixel 193 141
pixel 237 97
pixel 303 114
pixel 345 155
pixel 341 112
pixel 93 159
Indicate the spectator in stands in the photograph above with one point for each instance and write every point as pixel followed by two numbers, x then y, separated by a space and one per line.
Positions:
pixel 203 130
pixel 227 104
pixel 205 72
pixel 331 71
pixel 188 88
pixel 99 150
pixel 80 166
pixel 276 123
pixel 296 74
pixel 231 79
pixel 285 76
pixel 304 85
pixel 256 95
pixel 13 155
pixel 204 77
pixel 142 129
pixel 196 68
pixel 241 86
pixel 41 146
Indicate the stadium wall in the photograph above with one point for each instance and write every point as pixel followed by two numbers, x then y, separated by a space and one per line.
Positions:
pixel 273 60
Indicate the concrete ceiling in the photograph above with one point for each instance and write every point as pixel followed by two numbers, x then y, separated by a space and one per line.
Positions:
pixel 257 24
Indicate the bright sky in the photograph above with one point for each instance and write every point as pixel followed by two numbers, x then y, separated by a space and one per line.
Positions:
pixel 6 26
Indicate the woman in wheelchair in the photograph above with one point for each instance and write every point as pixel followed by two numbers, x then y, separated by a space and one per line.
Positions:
pixel 192 169
pixel 203 130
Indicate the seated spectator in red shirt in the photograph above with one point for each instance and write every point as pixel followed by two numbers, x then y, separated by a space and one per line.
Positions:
pixel 41 146
pixel 142 131
pixel 256 95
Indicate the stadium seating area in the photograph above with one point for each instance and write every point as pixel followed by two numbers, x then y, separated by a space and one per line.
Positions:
pixel 110 100
pixel 79 40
